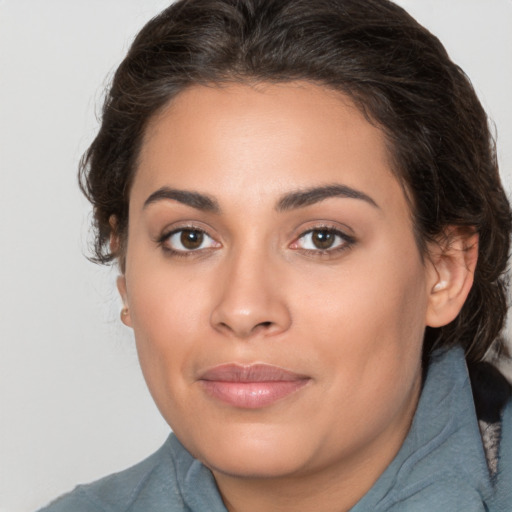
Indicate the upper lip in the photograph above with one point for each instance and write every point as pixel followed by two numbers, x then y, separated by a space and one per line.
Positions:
pixel 234 372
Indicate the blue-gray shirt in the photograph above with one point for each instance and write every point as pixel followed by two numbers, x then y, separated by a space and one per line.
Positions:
pixel 441 466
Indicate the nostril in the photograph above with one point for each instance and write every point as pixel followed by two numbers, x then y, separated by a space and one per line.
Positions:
pixel 262 325
pixel 266 325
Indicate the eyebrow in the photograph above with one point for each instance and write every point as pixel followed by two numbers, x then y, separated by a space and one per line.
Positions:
pixel 290 201
pixel 189 198
pixel 307 197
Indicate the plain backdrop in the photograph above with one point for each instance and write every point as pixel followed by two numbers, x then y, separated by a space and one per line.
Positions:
pixel 73 404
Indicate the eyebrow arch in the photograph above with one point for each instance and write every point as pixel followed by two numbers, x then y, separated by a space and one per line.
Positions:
pixel 187 197
pixel 307 197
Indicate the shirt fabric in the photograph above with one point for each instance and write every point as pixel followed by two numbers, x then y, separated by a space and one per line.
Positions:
pixel 441 466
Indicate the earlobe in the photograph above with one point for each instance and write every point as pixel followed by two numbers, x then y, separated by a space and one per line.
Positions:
pixel 452 263
pixel 125 312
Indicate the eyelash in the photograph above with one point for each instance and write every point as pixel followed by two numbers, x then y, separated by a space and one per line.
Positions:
pixel 165 237
pixel 346 242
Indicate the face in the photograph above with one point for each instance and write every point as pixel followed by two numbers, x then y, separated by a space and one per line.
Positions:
pixel 273 281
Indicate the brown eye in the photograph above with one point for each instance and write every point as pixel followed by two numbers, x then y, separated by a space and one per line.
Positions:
pixel 323 238
pixel 188 240
pixel 191 239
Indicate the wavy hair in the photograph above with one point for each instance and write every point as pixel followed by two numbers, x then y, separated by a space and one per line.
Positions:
pixel 395 71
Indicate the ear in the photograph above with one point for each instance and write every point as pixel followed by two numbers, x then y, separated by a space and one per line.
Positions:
pixel 452 260
pixel 125 312
pixel 121 280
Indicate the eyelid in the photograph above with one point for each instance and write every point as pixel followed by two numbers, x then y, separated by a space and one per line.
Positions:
pixel 170 232
pixel 347 240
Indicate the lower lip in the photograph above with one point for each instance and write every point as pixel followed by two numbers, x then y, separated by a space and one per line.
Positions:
pixel 252 395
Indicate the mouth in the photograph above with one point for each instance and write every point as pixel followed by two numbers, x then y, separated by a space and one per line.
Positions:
pixel 251 386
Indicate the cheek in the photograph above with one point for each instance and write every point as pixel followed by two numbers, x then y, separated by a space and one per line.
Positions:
pixel 365 297
pixel 369 319
pixel 166 320
pixel 167 313
pixel 164 300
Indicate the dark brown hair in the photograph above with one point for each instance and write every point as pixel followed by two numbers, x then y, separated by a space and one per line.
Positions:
pixel 398 74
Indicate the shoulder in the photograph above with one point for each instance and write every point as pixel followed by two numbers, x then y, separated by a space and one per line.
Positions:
pixel 504 476
pixel 450 494
pixel 141 487
pixel 441 464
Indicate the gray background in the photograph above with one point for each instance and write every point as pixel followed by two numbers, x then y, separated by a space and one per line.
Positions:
pixel 73 405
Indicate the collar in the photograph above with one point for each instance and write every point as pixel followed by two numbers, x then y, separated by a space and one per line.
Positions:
pixel 442 452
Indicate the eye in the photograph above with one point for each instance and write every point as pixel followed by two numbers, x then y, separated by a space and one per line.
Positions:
pixel 186 240
pixel 323 240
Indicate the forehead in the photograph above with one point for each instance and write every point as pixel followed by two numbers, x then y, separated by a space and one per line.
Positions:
pixel 231 139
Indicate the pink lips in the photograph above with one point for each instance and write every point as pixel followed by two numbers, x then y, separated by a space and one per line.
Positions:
pixel 250 387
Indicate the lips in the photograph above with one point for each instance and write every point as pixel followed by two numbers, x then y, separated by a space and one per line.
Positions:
pixel 252 386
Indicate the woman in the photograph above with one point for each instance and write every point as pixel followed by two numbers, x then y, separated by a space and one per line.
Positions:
pixel 304 203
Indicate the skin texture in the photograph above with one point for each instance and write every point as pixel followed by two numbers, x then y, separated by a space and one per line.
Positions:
pixel 257 290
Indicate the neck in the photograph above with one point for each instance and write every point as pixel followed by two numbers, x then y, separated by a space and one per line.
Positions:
pixel 322 493
pixel 336 487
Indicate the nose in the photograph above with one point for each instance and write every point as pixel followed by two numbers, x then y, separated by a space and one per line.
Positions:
pixel 251 299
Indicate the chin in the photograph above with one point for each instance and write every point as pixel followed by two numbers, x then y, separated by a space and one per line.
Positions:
pixel 256 466
pixel 251 453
